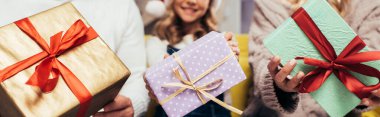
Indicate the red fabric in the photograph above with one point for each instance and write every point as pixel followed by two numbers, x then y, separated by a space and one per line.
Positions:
pixel 76 35
pixel 350 59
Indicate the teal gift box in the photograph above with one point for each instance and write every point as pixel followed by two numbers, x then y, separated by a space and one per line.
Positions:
pixel 289 41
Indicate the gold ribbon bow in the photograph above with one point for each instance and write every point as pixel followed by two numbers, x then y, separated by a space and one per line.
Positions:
pixel 200 90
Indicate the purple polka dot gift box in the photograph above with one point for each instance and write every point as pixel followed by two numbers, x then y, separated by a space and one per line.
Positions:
pixel 195 75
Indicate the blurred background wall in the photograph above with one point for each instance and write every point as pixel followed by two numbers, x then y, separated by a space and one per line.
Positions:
pixel 233 16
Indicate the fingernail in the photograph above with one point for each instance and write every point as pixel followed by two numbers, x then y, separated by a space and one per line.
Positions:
pixel 289 77
pixel 300 75
pixel 275 58
pixel 292 62
pixel 375 91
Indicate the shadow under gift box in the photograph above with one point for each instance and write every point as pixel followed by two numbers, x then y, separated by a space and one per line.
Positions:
pixel 93 63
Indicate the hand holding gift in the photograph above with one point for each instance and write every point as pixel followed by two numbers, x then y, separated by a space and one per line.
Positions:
pixel 280 76
pixel 372 100
pixel 340 71
pixel 120 107
pixel 231 43
pixel 51 52
pixel 193 76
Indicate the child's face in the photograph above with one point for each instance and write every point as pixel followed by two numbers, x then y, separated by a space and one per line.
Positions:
pixel 191 10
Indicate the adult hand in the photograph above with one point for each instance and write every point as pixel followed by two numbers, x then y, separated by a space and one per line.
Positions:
pixel 373 100
pixel 120 107
pixel 280 76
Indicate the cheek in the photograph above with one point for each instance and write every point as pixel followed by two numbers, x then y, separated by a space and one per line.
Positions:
pixel 202 10
pixel 200 14
pixel 204 6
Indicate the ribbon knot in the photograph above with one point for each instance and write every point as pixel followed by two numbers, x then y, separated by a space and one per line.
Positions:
pixel 49 65
pixel 333 65
pixel 52 56
pixel 350 59
pixel 201 91
pixel 188 84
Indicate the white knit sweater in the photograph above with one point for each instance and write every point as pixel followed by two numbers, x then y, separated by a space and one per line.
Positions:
pixel 156 48
pixel 118 22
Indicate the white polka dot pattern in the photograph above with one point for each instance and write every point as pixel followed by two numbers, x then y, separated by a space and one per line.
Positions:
pixel 196 57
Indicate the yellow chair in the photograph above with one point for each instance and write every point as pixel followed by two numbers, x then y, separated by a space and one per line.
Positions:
pixel 239 93
pixel 372 113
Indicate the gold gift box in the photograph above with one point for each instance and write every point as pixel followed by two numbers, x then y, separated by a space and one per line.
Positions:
pixel 94 63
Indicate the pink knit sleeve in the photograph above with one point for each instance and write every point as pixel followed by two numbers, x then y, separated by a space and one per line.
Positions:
pixel 365 21
pixel 264 90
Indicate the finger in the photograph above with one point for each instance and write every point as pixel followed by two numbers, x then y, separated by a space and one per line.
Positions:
pixel 273 64
pixel 233 43
pixel 285 71
pixel 129 112
pixel 372 101
pixel 152 96
pixel 376 93
pixel 119 103
pixel 367 102
pixel 166 56
pixel 363 102
pixel 228 36
pixel 295 81
pixel 234 46
pixel 237 53
pixel 121 113
pixel 147 87
pixel 235 50
pixel 102 114
pixel 144 77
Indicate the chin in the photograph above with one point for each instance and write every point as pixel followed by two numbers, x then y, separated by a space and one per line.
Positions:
pixel 188 20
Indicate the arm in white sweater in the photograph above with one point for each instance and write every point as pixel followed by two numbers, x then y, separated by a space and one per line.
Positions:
pixel 119 23
pixel 132 52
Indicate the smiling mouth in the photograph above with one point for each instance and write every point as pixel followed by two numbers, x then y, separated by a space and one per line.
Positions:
pixel 189 10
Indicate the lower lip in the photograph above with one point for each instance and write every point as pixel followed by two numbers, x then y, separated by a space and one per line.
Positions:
pixel 189 11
